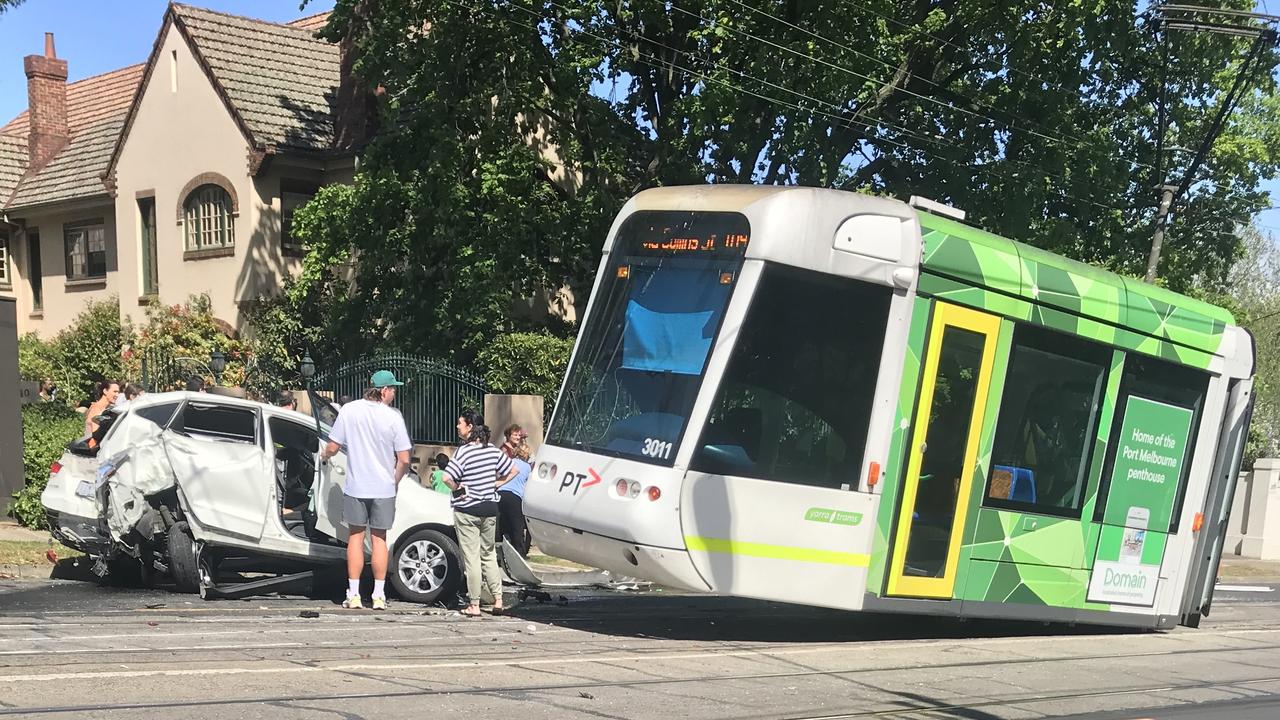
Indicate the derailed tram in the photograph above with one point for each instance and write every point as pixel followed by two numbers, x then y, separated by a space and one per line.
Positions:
pixel 820 397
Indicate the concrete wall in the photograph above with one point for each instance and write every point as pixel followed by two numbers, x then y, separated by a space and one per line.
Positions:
pixel 63 299
pixel 183 130
pixel 1253 530
pixel 11 474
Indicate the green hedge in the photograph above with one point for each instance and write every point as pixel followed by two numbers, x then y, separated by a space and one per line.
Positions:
pixel 529 363
pixel 46 430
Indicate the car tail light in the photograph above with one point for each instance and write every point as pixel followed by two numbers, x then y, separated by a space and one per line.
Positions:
pixel 654 492
pixel 55 468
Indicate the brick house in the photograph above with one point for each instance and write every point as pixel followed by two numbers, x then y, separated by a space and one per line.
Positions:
pixel 176 176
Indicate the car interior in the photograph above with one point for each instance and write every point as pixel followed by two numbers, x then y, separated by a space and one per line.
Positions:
pixel 295 470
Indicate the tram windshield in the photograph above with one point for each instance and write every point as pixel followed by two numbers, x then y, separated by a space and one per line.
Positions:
pixel 645 346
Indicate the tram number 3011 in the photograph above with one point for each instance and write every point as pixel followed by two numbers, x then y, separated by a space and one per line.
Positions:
pixel 656 449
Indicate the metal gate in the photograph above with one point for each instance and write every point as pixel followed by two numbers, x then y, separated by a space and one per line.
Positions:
pixel 434 391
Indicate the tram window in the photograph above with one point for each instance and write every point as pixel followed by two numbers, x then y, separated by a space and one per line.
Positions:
pixel 795 401
pixel 1163 382
pixel 1048 416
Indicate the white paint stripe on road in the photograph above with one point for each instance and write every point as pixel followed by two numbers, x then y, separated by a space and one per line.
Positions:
pixel 389 667
pixel 1244 588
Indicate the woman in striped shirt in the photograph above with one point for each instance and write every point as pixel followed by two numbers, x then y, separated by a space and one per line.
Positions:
pixel 475 473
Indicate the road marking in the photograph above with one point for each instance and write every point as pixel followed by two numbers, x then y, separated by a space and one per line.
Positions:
pixel 1244 588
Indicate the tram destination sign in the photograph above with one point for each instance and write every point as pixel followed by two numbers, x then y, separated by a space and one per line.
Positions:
pixel 1150 452
pixel 685 234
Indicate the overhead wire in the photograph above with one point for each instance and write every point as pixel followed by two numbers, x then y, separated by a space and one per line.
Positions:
pixel 663 64
pixel 1079 142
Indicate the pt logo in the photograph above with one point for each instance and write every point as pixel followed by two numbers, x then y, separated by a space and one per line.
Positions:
pixel 579 481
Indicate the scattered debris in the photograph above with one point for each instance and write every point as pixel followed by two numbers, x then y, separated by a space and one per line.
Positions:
pixel 586 695
pixel 156 606
pixel 152 623
pixel 311 614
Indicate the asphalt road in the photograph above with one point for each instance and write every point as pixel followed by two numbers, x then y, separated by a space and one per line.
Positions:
pixel 74 650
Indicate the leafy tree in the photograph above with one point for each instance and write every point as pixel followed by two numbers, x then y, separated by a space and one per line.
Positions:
pixel 1254 297
pixel 86 352
pixel 512 132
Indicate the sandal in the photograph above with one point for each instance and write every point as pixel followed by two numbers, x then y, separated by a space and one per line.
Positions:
pixel 470 611
pixel 497 610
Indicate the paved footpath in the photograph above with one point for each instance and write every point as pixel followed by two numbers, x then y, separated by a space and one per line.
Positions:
pixel 75 650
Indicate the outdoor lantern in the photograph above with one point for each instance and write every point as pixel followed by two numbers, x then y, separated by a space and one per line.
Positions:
pixel 307 367
pixel 217 363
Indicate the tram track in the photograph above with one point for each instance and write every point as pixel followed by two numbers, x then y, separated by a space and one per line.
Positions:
pixel 1032 699
pixel 693 653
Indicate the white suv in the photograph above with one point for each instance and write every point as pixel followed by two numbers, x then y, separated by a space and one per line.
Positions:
pixel 183 482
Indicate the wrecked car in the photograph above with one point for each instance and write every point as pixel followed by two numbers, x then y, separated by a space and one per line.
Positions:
pixel 185 484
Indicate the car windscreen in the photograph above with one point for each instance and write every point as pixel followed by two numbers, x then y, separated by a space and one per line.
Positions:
pixel 645 345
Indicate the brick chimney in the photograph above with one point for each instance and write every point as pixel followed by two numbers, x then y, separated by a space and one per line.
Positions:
pixel 354 109
pixel 46 105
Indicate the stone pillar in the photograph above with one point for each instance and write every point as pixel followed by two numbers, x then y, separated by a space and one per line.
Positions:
pixel 1260 512
pixel 501 411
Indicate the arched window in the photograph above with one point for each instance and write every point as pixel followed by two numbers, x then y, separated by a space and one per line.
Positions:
pixel 207 215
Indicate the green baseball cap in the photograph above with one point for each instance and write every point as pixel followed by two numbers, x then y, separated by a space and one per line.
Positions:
pixel 384 378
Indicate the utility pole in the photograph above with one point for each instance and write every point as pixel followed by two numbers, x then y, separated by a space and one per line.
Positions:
pixel 1193 18
pixel 1162 215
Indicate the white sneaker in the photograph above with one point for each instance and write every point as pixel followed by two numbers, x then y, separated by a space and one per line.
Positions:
pixel 379 603
pixel 353 602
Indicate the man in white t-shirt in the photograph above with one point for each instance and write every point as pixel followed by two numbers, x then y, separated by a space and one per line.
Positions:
pixel 377 446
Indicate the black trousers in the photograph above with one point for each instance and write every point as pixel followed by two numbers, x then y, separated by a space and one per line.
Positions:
pixel 511 522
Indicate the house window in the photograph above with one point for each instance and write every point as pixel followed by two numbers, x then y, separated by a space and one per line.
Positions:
pixel 35 274
pixel 5 277
pixel 293 195
pixel 86 250
pixel 207 216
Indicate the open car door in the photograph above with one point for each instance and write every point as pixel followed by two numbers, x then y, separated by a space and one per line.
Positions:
pixel 331 475
pixel 221 467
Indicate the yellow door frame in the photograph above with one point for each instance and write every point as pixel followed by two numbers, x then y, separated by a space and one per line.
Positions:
pixel 944 316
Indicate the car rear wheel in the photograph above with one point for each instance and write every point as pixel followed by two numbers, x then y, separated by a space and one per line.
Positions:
pixel 182 559
pixel 426 566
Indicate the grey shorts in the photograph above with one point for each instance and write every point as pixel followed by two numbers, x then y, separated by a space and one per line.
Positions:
pixel 375 513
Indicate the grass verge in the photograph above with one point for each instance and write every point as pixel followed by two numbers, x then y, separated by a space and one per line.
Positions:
pixel 27 552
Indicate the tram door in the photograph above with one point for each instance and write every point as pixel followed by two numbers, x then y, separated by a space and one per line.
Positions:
pixel 943 454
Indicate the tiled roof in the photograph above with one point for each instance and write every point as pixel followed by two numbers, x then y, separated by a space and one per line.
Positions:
pixel 91 100
pixel 280 79
pixel 76 171
pixel 13 162
pixel 96 108
pixel 310 23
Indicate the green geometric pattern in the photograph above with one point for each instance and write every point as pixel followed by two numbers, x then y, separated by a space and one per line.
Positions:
pixel 895 464
pixel 1002 582
pixel 1068 291
pixel 1033 539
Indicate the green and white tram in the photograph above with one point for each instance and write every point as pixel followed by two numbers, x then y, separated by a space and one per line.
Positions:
pixel 826 398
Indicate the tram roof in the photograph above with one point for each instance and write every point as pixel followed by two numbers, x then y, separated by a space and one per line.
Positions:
pixel 977 258
pixel 981 258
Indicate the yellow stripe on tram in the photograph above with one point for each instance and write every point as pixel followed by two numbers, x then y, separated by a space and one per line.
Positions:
pixel 776 552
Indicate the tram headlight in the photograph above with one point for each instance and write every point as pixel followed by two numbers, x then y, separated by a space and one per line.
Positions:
pixel 627 488
pixel 546 470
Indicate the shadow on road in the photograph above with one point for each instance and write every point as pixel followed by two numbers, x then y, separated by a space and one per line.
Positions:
pixel 715 618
